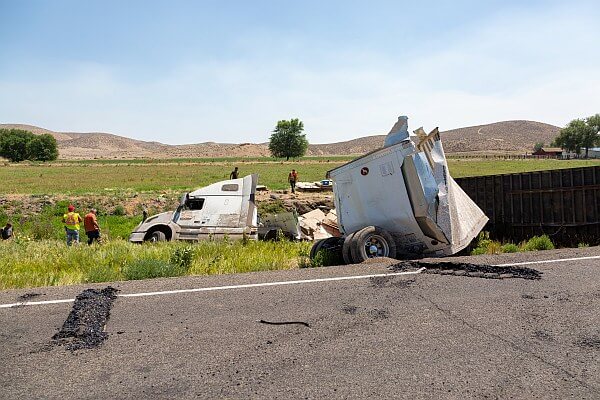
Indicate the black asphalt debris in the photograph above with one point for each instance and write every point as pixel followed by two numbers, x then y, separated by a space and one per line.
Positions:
pixel 468 269
pixel 262 321
pixel 27 296
pixel 84 327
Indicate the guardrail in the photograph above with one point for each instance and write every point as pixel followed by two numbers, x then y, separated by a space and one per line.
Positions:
pixel 562 203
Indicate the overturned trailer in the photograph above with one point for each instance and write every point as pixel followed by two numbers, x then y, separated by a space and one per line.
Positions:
pixel 223 209
pixel 401 202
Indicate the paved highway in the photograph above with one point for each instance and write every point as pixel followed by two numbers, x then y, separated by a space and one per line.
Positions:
pixel 416 336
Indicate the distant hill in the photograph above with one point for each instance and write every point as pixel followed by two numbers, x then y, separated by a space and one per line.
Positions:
pixel 498 137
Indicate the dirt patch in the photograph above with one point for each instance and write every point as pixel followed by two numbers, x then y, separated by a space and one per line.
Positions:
pixel 469 270
pixel 84 327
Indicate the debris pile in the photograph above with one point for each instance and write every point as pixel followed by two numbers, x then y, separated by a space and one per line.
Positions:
pixel 325 185
pixel 84 327
pixel 469 270
pixel 317 224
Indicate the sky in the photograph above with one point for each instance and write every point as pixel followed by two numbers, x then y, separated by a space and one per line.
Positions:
pixel 226 71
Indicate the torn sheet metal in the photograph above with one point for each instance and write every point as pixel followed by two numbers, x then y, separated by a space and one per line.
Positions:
pixel 406 189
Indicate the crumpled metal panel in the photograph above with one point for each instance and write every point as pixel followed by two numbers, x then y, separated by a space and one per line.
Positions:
pixel 406 189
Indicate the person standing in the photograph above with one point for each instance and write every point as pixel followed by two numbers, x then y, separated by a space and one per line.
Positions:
pixel 234 174
pixel 92 229
pixel 292 179
pixel 7 231
pixel 72 221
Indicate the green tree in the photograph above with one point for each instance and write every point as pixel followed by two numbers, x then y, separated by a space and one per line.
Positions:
pixel 287 140
pixel 42 148
pixel 579 134
pixel 13 144
pixel 538 146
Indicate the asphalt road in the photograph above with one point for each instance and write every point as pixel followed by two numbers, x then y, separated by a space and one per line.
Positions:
pixel 411 336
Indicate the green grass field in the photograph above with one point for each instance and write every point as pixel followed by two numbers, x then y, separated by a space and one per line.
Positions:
pixel 100 177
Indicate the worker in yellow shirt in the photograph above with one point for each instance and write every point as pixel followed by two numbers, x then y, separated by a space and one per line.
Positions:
pixel 72 221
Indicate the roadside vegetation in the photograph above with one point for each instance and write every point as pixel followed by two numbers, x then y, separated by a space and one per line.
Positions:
pixel 484 245
pixel 29 263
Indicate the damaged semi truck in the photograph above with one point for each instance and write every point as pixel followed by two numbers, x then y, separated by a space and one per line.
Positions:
pixel 223 209
pixel 401 202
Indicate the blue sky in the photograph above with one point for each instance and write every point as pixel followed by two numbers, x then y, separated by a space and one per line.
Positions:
pixel 227 71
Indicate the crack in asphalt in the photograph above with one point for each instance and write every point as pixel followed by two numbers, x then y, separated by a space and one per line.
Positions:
pixel 515 346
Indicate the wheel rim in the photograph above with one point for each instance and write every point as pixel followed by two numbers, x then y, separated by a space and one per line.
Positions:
pixel 376 246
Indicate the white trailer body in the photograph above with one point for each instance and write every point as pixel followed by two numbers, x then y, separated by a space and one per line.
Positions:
pixel 406 190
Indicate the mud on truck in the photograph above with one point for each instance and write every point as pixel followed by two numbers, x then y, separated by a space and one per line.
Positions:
pixel 401 202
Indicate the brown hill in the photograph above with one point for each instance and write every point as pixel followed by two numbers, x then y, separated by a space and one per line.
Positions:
pixel 499 137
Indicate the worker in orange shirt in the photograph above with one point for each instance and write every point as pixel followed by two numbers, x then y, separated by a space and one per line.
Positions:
pixel 72 221
pixel 292 179
pixel 92 229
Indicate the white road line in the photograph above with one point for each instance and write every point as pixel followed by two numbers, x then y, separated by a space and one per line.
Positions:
pixel 208 289
pixel 253 285
pixel 547 261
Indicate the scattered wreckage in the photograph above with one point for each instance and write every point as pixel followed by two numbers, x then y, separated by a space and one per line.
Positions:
pixel 401 202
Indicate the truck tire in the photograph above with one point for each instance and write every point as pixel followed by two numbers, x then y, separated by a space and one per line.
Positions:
pixel 346 249
pixel 156 236
pixel 315 248
pixel 371 242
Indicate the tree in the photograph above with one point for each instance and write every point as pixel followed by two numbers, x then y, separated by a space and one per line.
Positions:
pixel 13 144
pixel 579 134
pixel 42 148
pixel 18 145
pixel 287 140
pixel 538 146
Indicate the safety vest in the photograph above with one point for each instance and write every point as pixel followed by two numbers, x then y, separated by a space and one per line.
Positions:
pixel 72 221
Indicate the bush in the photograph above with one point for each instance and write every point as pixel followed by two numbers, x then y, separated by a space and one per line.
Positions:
pixel 18 145
pixel 42 148
pixel 119 210
pixel 182 257
pixel 510 248
pixel 13 144
pixel 538 243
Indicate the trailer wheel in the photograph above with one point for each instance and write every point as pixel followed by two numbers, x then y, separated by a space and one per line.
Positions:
pixel 371 242
pixel 347 247
pixel 333 245
pixel 315 248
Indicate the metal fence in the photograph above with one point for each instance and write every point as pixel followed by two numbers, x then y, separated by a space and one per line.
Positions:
pixel 562 203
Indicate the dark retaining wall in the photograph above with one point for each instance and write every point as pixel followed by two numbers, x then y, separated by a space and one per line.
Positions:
pixel 562 203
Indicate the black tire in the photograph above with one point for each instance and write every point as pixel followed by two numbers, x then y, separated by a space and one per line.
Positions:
pixel 371 242
pixel 157 236
pixel 315 248
pixel 346 253
pixel 271 235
